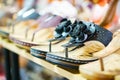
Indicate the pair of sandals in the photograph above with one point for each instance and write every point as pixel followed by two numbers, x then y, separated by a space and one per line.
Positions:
pixel 75 44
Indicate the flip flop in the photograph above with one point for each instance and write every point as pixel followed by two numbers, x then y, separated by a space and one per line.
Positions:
pixel 85 31
pixel 60 36
pixel 104 69
pixel 44 32
pixel 29 15
pixel 27 43
pixel 108 65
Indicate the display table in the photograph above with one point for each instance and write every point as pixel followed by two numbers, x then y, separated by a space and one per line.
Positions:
pixel 117 77
pixel 17 51
pixel 22 52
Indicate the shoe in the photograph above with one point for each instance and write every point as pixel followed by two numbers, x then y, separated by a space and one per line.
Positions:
pixel 112 46
pixel 29 26
pixel 61 34
pixel 27 15
pixel 28 11
pixel 34 33
pixel 81 34
pixel 93 71
pixel 6 30
pixel 108 65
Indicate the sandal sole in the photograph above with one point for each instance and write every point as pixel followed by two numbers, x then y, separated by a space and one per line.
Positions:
pixel 67 62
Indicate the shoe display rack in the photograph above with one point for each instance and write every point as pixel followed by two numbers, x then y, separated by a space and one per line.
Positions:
pixel 22 52
pixel 61 39
pixel 11 55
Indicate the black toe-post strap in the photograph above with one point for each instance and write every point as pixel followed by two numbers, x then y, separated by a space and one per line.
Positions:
pixel 61 32
pixel 55 39
pixel 68 45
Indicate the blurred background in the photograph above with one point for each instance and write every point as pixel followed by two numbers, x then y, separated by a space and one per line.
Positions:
pixel 105 13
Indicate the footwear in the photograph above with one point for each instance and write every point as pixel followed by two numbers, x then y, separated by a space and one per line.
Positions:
pixel 107 67
pixel 92 71
pixel 81 34
pixel 27 15
pixel 29 25
pixel 112 46
pixel 76 57
pixel 18 29
pixel 61 34
pixel 41 50
pixel 5 30
pixel 28 11
pixel 38 32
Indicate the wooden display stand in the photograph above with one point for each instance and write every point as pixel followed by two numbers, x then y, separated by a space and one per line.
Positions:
pixel 117 77
pixel 22 52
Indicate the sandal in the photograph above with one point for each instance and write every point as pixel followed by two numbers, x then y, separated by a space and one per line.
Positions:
pixel 32 14
pixel 27 15
pixel 6 30
pixel 28 7
pixel 85 31
pixel 61 34
pixel 28 26
pixel 108 65
pixel 33 34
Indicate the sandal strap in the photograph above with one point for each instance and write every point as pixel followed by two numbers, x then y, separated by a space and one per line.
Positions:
pixel 73 45
pixel 86 31
pixel 62 30
pixel 58 39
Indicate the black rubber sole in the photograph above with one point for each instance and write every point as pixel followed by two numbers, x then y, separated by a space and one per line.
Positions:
pixel 67 62
pixel 38 53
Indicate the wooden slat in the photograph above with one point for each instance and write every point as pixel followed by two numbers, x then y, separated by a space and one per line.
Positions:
pixel 117 77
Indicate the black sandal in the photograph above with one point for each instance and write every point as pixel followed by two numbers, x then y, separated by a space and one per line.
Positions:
pixel 85 31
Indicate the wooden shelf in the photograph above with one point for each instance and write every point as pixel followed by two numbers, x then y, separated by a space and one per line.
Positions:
pixel 117 77
pixel 52 67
